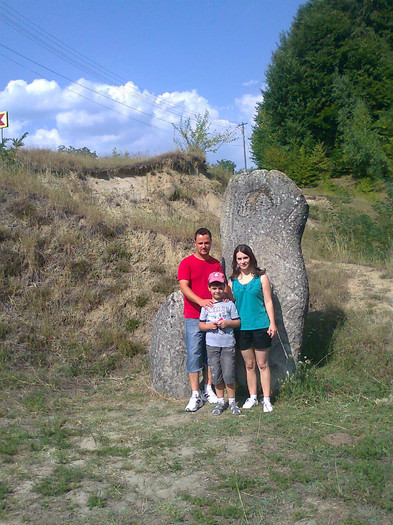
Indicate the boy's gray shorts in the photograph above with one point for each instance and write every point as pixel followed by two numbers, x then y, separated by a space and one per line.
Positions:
pixel 222 364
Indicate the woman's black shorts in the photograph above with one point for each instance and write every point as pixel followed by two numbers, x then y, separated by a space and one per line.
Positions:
pixel 257 339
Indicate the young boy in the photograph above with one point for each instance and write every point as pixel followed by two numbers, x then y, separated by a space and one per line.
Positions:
pixel 218 321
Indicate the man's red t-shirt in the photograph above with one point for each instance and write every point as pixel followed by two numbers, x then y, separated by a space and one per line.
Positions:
pixel 196 271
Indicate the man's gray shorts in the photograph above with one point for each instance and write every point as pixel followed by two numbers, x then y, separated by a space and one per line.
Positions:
pixel 222 364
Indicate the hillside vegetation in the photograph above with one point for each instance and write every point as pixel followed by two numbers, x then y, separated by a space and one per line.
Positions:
pixel 86 261
pixel 88 251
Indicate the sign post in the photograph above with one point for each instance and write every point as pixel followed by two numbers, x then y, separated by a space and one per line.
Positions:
pixel 3 122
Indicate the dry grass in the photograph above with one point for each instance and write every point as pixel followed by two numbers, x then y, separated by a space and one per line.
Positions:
pixel 71 270
pixel 61 163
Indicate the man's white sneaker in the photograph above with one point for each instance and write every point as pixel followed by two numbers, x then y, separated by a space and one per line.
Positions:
pixel 267 406
pixel 250 402
pixel 194 404
pixel 209 396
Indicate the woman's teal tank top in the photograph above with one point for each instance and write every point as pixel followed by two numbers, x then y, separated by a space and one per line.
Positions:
pixel 250 304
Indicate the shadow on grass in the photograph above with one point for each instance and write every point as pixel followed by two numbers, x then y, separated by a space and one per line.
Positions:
pixel 318 334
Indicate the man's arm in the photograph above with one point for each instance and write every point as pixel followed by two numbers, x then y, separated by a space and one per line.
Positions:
pixel 192 296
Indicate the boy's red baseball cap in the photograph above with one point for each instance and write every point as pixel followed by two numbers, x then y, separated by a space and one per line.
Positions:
pixel 216 277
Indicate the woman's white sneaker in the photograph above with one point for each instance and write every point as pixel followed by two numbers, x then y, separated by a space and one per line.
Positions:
pixel 267 406
pixel 250 402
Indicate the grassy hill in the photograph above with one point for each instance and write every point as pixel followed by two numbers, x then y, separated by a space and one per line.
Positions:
pixel 89 249
pixel 86 260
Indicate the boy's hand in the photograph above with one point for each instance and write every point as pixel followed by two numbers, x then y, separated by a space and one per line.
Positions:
pixel 211 326
pixel 222 323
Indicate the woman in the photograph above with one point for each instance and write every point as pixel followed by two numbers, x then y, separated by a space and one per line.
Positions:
pixel 252 292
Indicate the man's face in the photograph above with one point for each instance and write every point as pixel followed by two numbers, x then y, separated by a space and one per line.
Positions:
pixel 203 244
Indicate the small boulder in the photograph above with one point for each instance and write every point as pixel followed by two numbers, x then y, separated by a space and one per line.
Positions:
pixel 168 350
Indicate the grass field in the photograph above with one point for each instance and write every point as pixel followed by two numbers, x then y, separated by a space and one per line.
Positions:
pixel 86 440
pixel 112 451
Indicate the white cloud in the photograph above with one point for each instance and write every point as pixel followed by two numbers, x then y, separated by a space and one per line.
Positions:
pixel 47 138
pixel 251 83
pixel 103 117
pixel 247 105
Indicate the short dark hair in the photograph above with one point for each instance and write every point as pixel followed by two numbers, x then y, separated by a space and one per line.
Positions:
pixel 215 283
pixel 202 231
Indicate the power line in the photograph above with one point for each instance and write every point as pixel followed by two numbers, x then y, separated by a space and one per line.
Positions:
pixel 93 91
pixel 244 145
pixel 94 101
pixel 77 59
pixel 86 87
pixel 89 66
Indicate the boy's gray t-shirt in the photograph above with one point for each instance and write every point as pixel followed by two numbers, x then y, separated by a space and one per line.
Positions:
pixel 222 310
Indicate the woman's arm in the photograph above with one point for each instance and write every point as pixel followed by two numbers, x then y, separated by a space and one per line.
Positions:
pixel 268 300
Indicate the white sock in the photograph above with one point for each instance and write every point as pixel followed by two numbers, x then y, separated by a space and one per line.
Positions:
pixel 209 388
pixel 231 400
pixel 221 400
pixel 266 398
pixel 195 393
pixel 254 396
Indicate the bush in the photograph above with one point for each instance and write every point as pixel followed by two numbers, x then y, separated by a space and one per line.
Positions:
pixel 84 152
pixel 8 154
pixel 304 384
pixel 304 166
pixel 364 236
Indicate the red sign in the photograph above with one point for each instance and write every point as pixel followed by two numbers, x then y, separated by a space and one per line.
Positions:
pixel 3 119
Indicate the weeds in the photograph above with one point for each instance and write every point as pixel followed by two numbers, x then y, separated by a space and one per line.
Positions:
pixel 132 324
pixel 97 500
pixel 140 301
pixel 304 384
pixel 61 481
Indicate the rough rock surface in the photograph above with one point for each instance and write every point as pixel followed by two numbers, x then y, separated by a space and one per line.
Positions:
pixel 267 211
pixel 168 350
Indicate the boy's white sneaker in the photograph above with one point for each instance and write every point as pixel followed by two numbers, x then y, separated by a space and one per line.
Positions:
pixel 209 395
pixel 267 406
pixel 194 404
pixel 250 402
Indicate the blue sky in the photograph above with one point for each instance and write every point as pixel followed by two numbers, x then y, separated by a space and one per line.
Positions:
pixel 117 74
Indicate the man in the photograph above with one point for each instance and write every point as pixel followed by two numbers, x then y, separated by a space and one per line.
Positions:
pixel 193 276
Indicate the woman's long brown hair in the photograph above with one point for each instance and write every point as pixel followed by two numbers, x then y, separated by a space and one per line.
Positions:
pixel 253 262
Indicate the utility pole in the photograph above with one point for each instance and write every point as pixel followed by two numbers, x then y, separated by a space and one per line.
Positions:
pixel 244 145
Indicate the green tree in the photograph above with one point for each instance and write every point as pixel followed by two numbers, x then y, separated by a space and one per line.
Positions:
pixel 302 106
pixel 85 152
pixel 198 137
pixel 227 165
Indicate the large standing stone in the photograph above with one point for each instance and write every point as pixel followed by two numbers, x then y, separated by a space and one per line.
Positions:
pixel 168 351
pixel 267 211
